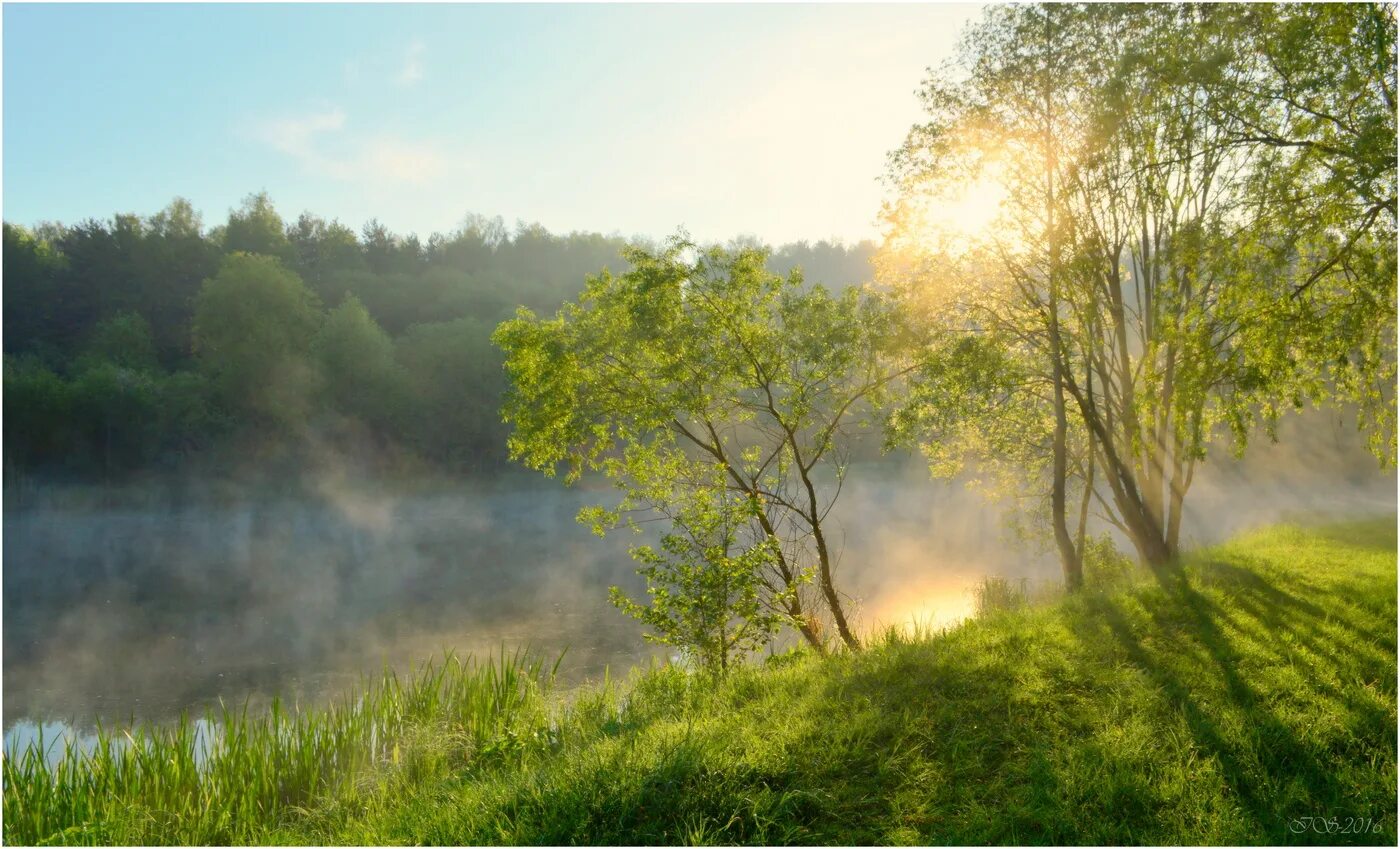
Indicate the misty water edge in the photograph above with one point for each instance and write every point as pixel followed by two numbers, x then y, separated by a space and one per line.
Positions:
pixel 160 605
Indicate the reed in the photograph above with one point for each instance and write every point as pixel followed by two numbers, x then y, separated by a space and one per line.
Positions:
pixel 228 776
pixel 996 594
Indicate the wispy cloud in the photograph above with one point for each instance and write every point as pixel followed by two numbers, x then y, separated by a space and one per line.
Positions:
pixel 296 136
pixel 404 160
pixel 320 144
pixel 412 69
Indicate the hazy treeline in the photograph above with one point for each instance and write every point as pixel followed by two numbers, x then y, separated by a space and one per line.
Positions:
pixel 121 353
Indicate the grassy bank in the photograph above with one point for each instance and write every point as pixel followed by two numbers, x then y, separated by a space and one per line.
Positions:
pixel 1251 701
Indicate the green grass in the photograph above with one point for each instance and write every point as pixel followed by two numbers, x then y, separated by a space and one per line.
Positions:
pixel 182 784
pixel 1225 706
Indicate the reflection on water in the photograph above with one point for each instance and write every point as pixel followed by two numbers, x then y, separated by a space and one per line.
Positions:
pixel 53 738
pixel 142 612
pixel 56 739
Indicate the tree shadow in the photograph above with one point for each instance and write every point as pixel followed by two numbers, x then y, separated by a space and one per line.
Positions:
pixel 1271 757
pixel 997 733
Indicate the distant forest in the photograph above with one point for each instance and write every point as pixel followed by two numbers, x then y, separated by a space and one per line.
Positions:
pixel 150 344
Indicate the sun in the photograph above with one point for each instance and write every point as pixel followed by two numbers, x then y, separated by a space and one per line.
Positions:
pixel 957 219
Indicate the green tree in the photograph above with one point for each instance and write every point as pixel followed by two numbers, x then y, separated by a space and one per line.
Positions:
pixel 1171 269
pixel 355 359
pixel 704 583
pixel 38 414
pixel 117 411
pixel 32 294
pixel 703 361
pixel 190 420
pixel 1310 95
pixel 325 253
pixel 124 340
pixel 173 259
pixel 455 384
pixel 256 228
pixel 253 326
pixel 1013 122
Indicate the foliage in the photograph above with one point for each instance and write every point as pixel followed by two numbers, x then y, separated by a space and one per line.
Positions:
pixel 699 368
pixel 37 412
pixel 325 253
pixel 123 340
pixel 437 298
pixel 32 267
pixel 453 373
pixel 705 591
pixel 1311 97
pixel 253 326
pixel 1193 232
pixel 110 406
pixel 256 228
pixel 355 359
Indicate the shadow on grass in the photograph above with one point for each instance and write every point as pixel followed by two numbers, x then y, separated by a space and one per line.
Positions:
pixel 1221 705
pixel 1275 775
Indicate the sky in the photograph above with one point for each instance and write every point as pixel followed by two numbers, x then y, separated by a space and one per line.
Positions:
pixel 772 121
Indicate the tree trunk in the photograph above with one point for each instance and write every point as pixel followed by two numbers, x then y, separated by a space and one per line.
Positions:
pixel 1069 558
pixel 1152 547
pixel 814 520
pixel 1070 561
pixel 833 601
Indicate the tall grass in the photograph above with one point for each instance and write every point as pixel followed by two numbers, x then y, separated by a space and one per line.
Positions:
pixel 996 594
pixel 228 778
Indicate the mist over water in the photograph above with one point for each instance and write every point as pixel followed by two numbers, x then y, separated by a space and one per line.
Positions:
pixel 162 605
pixel 151 609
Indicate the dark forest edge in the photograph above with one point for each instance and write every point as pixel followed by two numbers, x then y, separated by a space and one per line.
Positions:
pixel 153 346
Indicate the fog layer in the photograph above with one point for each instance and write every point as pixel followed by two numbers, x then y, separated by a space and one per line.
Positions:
pixel 147 610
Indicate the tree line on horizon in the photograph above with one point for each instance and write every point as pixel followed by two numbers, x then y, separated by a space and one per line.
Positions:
pixel 145 344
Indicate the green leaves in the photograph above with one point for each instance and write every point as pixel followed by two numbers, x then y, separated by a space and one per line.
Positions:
pixel 253 326
pixel 355 360
pixel 704 386
pixel 1198 234
pixel 704 587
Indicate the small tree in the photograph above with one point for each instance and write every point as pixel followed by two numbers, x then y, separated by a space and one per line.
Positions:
pixel 256 228
pixel 700 369
pixel 123 340
pixel 705 584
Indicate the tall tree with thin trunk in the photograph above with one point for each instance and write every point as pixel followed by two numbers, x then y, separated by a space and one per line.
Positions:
pixel 1195 225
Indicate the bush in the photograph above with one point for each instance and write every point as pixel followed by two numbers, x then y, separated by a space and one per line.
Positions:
pixel 1105 567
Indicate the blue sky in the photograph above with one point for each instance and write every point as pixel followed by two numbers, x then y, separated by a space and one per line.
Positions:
pixel 772 120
